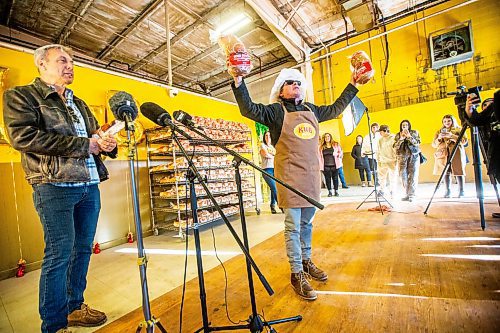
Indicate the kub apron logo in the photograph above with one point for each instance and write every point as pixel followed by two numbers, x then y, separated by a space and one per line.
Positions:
pixel 304 131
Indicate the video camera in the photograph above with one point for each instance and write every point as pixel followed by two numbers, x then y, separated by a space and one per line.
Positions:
pixel 462 93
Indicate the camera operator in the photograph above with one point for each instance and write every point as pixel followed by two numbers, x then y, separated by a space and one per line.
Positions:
pixel 489 118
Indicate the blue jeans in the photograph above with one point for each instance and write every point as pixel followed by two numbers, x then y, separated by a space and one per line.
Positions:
pixel 272 185
pixel 341 176
pixel 298 235
pixel 69 219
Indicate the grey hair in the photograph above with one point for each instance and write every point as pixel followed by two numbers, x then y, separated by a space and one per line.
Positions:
pixel 41 52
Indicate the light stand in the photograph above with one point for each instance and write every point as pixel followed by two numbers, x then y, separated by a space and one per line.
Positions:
pixel 255 323
pixel 377 194
pixel 149 321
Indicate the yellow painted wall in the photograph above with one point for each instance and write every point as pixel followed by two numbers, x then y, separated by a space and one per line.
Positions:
pixel 116 219
pixel 410 89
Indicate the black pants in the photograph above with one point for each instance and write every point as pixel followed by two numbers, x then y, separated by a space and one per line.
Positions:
pixel 331 173
pixel 362 174
pixel 373 167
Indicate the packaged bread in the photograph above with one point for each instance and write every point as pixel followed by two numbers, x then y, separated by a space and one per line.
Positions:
pixel 237 58
pixel 362 66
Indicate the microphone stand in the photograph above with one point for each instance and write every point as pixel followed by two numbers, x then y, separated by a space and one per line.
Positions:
pixel 373 172
pixel 255 323
pixel 149 320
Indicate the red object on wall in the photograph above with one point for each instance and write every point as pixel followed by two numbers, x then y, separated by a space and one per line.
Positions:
pixel 130 237
pixel 97 248
pixel 21 267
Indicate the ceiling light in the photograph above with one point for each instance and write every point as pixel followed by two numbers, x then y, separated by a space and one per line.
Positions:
pixel 234 24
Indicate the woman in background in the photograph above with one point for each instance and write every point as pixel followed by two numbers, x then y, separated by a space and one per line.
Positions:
pixel 267 152
pixel 361 163
pixel 331 164
pixel 407 145
pixel 338 148
pixel 444 141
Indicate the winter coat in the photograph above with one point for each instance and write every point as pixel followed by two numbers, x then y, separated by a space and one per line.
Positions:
pixel 444 148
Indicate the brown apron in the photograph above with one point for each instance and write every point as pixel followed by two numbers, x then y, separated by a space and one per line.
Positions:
pixel 296 161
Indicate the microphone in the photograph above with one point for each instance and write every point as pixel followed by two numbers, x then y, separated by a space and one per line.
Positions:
pixel 184 118
pixel 123 105
pixel 156 114
pixel 160 116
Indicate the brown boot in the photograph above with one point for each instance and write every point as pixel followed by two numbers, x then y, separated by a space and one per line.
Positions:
pixel 314 271
pixel 300 283
pixel 85 316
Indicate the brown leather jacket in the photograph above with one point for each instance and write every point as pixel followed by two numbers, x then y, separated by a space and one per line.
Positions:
pixel 40 126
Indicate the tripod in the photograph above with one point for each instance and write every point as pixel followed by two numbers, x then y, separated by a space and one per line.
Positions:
pixel 255 323
pixel 377 193
pixel 477 149
pixel 149 320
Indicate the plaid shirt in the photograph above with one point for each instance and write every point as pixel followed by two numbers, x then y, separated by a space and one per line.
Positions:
pixel 81 131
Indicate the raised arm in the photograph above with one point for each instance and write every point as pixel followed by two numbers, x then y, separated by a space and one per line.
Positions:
pixel 264 114
pixel 328 112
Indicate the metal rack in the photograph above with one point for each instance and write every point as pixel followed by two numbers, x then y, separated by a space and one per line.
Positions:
pixel 169 198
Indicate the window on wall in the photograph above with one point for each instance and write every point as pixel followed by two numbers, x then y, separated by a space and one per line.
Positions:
pixel 451 45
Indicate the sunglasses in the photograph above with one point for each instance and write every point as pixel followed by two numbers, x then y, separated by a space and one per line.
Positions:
pixel 290 82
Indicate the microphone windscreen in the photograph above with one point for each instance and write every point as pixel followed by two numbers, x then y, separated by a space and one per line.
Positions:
pixel 122 104
pixel 155 113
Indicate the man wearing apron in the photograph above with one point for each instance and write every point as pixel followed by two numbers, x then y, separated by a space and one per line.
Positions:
pixel 294 132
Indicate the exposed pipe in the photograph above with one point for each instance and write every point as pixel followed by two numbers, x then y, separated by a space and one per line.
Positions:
pixel 294 12
pixel 390 31
pixel 169 54
pixel 328 68
pixel 120 73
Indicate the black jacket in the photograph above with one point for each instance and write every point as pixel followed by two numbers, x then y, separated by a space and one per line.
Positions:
pixel 40 126
pixel 360 161
pixel 488 119
pixel 272 115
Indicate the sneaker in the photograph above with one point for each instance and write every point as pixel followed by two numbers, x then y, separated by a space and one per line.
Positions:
pixel 300 283
pixel 273 210
pixel 363 184
pixel 461 194
pixel 336 194
pixel 405 199
pixel 330 194
pixel 345 186
pixel 63 330
pixel 316 273
pixel 85 316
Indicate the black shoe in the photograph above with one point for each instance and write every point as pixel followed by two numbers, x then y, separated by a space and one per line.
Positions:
pixel 273 210
pixel 330 193
pixel 405 199
pixel 345 186
pixel 336 194
pixel 495 215
pixel 282 210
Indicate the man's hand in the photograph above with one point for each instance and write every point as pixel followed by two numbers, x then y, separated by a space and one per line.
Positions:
pixel 237 80
pixel 472 100
pixel 353 79
pixel 107 143
pixel 94 146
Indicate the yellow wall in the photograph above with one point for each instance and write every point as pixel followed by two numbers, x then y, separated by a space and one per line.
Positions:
pixel 116 217
pixel 410 89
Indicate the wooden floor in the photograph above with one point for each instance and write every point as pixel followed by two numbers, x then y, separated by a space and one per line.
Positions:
pixel 386 274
